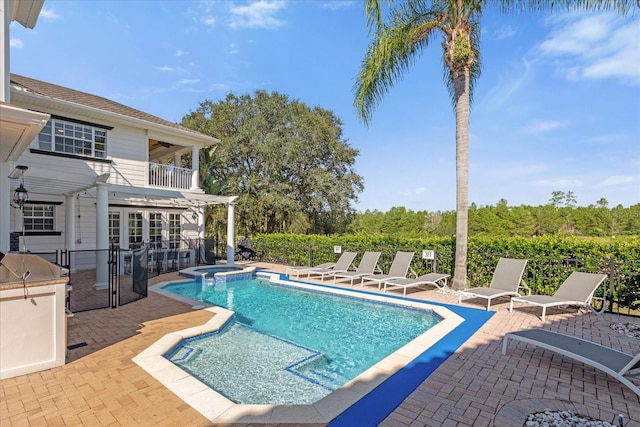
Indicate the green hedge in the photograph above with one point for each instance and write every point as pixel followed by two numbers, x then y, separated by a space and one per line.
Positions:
pixel 550 258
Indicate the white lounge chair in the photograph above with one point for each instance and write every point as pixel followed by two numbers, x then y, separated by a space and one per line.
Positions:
pixel 577 290
pixel 343 264
pixel 301 268
pixel 367 265
pixel 438 280
pixel 398 270
pixel 506 281
pixel 613 362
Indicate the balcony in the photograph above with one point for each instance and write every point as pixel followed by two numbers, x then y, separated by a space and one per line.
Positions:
pixel 169 176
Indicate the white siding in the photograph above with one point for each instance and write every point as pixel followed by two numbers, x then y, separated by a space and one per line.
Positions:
pixel 127 148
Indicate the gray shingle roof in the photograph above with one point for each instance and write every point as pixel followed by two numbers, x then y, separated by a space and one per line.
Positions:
pixel 82 98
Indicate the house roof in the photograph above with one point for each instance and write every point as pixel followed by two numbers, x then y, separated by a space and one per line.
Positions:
pixel 36 87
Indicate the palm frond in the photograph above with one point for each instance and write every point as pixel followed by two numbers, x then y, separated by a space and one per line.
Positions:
pixel 390 54
pixel 621 6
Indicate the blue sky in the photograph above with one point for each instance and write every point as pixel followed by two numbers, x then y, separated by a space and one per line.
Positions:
pixel 557 106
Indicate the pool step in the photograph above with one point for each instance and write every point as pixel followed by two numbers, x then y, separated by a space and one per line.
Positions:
pixel 314 369
pixel 184 354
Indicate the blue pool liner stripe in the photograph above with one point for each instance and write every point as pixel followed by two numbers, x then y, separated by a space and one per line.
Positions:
pixel 373 408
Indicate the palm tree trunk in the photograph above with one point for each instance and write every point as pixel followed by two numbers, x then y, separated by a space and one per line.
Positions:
pixel 462 99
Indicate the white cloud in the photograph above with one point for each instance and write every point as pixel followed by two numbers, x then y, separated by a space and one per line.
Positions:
pixel 517 76
pixel 505 32
pixel 188 81
pixel 210 21
pixel 259 14
pixel 220 86
pixel 180 52
pixel 164 68
pixel 338 4
pixel 606 138
pixel 419 190
pixel 560 183
pixel 414 191
pixel 511 170
pixel 599 46
pixel 49 14
pixel 16 43
pixel 543 126
pixel 615 180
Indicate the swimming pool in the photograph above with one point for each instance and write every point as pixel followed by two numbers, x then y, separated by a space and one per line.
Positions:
pixel 296 345
pixel 365 400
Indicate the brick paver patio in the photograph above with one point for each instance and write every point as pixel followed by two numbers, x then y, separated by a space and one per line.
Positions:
pixel 477 386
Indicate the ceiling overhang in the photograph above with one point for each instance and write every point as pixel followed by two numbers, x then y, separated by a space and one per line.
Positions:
pixel 26 12
pixel 174 198
pixel 39 183
pixel 18 128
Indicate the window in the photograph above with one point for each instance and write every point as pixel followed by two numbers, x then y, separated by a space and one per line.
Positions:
pixel 155 230
pixel 174 231
pixel 114 228
pixel 80 139
pixel 135 229
pixel 39 217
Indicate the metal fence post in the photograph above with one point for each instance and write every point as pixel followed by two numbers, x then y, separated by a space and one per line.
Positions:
pixel 612 272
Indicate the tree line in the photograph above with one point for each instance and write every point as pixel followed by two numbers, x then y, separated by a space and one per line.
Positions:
pixel 595 220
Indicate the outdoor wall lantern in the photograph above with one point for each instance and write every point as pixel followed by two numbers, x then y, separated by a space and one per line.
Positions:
pixel 20 196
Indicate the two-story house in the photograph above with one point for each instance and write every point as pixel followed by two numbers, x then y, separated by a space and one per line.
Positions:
pixel 102 173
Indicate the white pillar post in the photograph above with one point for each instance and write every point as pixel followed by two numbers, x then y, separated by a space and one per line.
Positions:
pixel 102 235
pixel 177 160
pixel 231 233
pixel 5 211
pixel 201 225
pixel 201 234
pixel 5 77
pixel 69 222
pixel 195 168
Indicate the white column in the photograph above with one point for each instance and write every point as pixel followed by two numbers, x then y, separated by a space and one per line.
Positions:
pixel 231 233
pixel 5 22
pixel 102 235
pixel 195 166
pixel 69 222
pixel 5 210
pixel 177 160
pixel 201 230
pixel 201 233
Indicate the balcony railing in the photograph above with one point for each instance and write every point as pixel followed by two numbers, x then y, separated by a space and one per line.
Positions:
pixel 169 176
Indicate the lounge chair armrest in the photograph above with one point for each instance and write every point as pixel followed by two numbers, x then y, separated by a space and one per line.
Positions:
pixel 523 285
pixel 413 272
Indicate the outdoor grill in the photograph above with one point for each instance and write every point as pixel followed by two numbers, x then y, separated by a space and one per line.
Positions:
pixel 27 268
pixel 33 316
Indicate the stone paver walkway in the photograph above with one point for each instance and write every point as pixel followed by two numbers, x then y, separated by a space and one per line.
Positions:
pixel 477 386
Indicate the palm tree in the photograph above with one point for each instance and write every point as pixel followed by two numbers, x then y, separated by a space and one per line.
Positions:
pixel 412 25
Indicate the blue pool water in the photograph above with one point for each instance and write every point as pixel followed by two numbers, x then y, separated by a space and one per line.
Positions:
pixel 291 346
